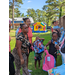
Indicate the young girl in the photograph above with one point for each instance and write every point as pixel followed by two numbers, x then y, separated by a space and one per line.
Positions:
pixel 37 46
pixel 53 45
pixel 11 58
pixel 21 51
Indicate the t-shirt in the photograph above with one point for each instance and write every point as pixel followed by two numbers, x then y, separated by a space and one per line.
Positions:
pixel 25 42
pixel 30 35
pixel 20 30
pixel 56 27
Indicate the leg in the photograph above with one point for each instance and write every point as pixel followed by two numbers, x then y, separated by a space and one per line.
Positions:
pixel 39 63
pixel 24 67
pixel 18 66
pixel 11 65
pixel 11 68
pixel 27 62
pixel 35 63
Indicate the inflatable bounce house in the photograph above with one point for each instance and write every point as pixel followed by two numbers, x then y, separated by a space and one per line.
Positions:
pixel 39 27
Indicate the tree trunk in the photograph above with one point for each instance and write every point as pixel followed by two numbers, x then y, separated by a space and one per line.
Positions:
pixel 60 15
pixel 13 15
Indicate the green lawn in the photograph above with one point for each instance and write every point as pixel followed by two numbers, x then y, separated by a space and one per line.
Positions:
pixel 47 37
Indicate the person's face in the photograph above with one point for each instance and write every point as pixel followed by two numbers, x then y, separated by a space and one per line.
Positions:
pixel 56 23
pixel 9 27
pixel 25 28
pixel 54 36
pixel 28 22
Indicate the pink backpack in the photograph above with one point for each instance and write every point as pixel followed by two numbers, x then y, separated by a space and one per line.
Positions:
pixel 49 61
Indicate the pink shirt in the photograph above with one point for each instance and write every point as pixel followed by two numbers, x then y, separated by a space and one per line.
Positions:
pixel 20 30
pixel 30 35
pixel 9 44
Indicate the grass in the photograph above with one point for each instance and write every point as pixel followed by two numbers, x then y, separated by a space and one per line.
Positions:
pixel 47 37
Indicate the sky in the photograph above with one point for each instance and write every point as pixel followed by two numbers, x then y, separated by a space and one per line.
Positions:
pixel 35 4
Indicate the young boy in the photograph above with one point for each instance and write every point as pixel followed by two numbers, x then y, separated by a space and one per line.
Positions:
pixel 55 23
pixel 38 44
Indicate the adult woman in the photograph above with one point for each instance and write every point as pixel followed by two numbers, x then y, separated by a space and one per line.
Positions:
pixel 11 58
pixel 28 22
pixel 21 51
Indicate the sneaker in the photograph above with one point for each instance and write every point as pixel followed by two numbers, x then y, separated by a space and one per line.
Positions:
pixel 29 70
pixel 29 73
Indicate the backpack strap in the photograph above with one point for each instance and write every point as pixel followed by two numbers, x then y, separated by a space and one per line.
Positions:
pixel 46 51
pixel 62 42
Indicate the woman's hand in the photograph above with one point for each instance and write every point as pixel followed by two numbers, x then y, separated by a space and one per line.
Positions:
pixel 22 61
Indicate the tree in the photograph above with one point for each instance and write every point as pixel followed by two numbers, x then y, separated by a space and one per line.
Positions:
pixel 17 13
pixel 22 15
pixel 37 15
pixel 12 4
pixel 53 9
pixel 31 13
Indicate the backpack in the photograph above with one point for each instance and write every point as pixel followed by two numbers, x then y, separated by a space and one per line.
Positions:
pixel 38 45
pixel 49 61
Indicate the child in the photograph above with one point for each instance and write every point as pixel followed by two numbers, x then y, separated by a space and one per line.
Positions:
pixel 53 45
pixel 55 23
pixel 22 51
pixel 38 45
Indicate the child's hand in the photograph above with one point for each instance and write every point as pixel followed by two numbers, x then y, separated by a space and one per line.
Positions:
pixel 34 57
pixel 45 48
pixel 53 42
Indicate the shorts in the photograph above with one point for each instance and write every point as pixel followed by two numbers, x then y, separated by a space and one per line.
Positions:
pixel 38 57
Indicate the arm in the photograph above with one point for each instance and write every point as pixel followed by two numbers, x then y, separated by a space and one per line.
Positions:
pixel 41 39
pixel 48 43
pixel 18 44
